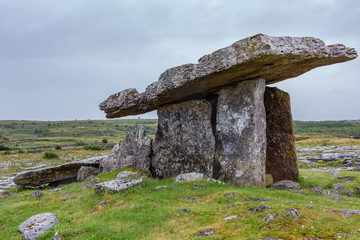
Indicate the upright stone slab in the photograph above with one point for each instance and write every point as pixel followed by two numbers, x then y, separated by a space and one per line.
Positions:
pixel 281 159
pixel 241 134
pixel 184 141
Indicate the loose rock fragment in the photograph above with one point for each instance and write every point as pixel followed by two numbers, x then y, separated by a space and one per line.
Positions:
pixel 37 225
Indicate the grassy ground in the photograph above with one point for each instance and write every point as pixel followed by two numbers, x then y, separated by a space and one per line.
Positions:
pixel 145 213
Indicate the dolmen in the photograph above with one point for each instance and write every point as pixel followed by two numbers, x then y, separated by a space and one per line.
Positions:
pixel 218 117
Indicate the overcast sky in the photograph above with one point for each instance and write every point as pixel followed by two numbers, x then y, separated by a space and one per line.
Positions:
pixel 60 59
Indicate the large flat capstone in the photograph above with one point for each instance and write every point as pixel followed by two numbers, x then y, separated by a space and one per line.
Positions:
pixel 67 172
pixel 271 58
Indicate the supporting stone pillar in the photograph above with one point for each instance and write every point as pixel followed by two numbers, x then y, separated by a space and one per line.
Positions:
pixel 241 134
pixel 184 140
pixel 281 159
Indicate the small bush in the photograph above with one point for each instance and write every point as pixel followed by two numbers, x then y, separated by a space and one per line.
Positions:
pixel 104 140
pixel 7 152
pixel 4 148
pixel 94 147
pixel 58 148
pixel 50 154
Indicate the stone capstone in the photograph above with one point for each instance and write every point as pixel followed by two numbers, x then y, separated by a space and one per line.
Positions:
pixel 241 134
pixel 37 225
pixel 117 185
pixel 85 172
pixel 134 151
pixel 271 58
pixel 281 159
pixel 64 172
pixel 184 141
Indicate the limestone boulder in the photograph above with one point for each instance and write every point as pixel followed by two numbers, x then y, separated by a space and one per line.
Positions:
pixel 66 172
pixel 241 134
pixel 184 140
pixel 281 159
pixel 134 151
pixel 272 58
pixel 117 185
pixel 37 225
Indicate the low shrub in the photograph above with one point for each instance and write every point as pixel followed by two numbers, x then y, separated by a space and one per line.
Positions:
pixel 50 154
pixel 94 147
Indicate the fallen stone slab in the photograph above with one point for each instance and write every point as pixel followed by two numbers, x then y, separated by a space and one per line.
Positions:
pixel 125 174
pixel 192 176
pixel 285 184
pixel 260 56
pixel 37 225
pixel 65 172
pixel 117 185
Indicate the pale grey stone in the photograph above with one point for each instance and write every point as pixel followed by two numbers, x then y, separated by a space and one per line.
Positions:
pixel 85 172
pixel 285 184
pixel 349 212
pixel 207 232
pixel 334 172
pixel 160 187
pixel 231 217
pixel 183 210
pixel 271 217
pixel 91 181
pixel 117 185
pixel 260 208
pixel 37 225
pixel 241 134
pixel 125 174
pixel 134 151
pixel 339 186
pixel 184 141
pixel 192 176
pixel 37 194
pixel 272 58
pixel 57 236
pixel 292 213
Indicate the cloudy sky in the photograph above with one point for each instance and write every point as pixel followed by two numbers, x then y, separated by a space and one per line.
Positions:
pixel 60 59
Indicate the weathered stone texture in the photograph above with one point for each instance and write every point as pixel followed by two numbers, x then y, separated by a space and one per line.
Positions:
pixel 85 172
pixel 134 151
pixel 117 185
pixel 184 141
pixel 64 172
pixel 37 225
pixel 241 134
pixel 281 159
pixel 272 58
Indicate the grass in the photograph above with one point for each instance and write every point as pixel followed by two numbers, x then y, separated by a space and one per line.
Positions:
pixel 145 213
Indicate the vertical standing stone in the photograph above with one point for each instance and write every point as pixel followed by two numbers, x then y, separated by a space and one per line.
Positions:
pixel 184 140
pixel 281 160
pixel 241 134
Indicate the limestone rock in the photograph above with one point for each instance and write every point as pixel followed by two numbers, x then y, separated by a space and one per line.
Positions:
pixel 292 213
pixel 281 159
pixel 134 151
pixel 339 186
pixel 207 232
pixel 117 185
pixel 85 172
pixel 37 194
pixel 91 181
pixel 5 194
pixel 126 174
pixel 241 134
pixel 272 58
pixel 64 172
pixel 184 140
pixel 193 176
pixel 349 212
pixel 37 225
pixel 285 184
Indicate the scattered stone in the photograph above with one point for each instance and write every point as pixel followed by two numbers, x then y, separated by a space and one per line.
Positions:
pixel 349 212
pixel 134 151
pixel 55 189
pixel 281 158
pixel 84 172
pixel 193 176
pixel 57 236
pixel 67 192
pixel 328 192
pixel 37 194
pixel 334 172
pixel 119 204
pixel 117 185
pixel 229 199
pixel 292 203
pixel 37 225
pixel 196 187
pixel 104 202
pixel 160 187
pixel 292 213
pixel 260 208
pixel 126 174
pixel 91 181
pixel 339 186
pixel 184 141
pixel 346 178
pixel 231 217
pixel 232 205
pixel 337 199
pixel 356 190
pixel 183 210
pixel 294 191
pixel 285 184
pixel 5 194
pixel 231 194
pixel 190 198
pixel 240 156
pixel 260 56
pixel 255 200
pixel 349 194
pixel 271 217
pixel 65 172
pixel 68 200
pixel 207 232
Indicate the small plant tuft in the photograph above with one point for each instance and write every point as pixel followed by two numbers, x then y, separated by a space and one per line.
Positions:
pixel 50 154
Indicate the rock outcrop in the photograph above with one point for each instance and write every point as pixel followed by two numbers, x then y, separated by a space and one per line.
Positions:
pixel 65 172
pixel 271 58
pixel 281 159
pixel 184 140
pixel 134 151
pixel 241 134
